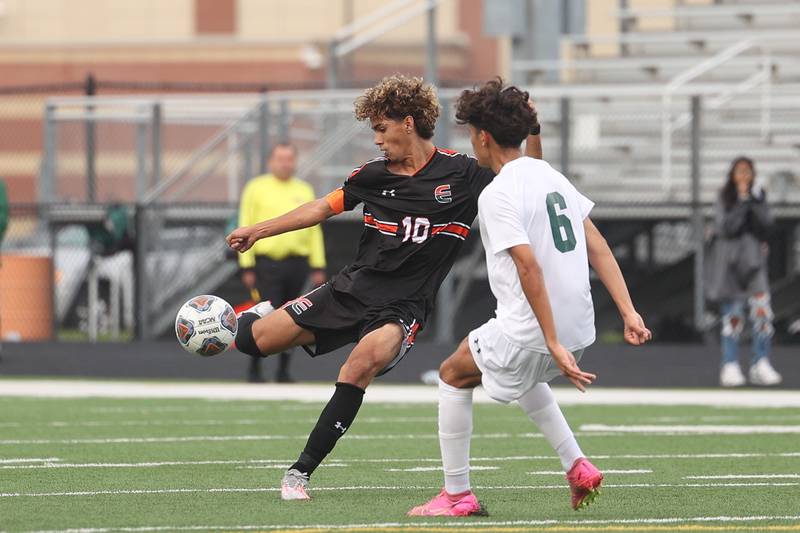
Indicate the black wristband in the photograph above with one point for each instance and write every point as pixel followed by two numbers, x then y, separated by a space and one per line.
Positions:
pixel 536 129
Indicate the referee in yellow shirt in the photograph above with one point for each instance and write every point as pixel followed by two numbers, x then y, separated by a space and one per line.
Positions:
pixel 280 266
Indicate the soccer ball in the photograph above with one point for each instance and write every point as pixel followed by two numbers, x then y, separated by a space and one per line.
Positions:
pixel 206 325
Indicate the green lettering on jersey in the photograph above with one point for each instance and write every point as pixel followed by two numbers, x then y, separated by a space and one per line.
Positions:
pixel 564 241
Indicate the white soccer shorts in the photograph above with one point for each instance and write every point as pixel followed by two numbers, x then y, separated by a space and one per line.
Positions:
pixel 508 370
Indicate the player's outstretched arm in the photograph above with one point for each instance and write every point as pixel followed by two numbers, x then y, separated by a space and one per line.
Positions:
pixel 532 282
pixel 305 216
pixel 605 264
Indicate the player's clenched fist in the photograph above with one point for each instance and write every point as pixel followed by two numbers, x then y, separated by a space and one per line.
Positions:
pixel 635 331
pixel 242 239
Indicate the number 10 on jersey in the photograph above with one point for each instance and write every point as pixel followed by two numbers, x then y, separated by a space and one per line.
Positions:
pixel 416 229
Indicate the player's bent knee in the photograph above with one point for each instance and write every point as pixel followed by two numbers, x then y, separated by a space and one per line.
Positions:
pixel 245 342
pixel 271 334
pixel 362 367
pixel 372 354
pixel 461 382
pixel 460 370
pixel 455 376
pixel 446 371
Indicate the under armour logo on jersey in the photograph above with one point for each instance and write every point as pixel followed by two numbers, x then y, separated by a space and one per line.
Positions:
pixel 388 192
pixel 340 427
pixel 443 194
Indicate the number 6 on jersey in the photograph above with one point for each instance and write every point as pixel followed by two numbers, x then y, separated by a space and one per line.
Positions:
pixel 563 240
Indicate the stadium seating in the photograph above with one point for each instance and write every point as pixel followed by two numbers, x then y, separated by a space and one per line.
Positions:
pixel 623 160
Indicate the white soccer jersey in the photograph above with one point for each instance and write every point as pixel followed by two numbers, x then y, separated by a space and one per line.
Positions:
pixel 529 202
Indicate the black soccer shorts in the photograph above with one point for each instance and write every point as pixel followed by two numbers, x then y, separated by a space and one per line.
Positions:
pixel 337 319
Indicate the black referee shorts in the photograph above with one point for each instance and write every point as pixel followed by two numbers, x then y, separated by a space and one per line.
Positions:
pixel 281 280
pixel 337 319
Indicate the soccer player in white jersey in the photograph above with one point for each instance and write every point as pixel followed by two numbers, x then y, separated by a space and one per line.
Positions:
pixel 539 242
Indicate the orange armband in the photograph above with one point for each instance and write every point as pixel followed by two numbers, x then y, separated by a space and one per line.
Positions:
pixel 335 199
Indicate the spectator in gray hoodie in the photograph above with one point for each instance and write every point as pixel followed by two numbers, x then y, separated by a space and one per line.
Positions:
pixel 739 280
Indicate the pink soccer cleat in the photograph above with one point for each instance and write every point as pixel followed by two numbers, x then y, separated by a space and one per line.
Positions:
pixel 463 504
pixel 584 482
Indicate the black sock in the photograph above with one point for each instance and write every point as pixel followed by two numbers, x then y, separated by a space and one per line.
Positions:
pixel 254 371
pixel 283 364
pixel 245 342
pixel 334 420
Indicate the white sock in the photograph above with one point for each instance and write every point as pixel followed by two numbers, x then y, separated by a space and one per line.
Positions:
pixel 455 432
pixel 540 405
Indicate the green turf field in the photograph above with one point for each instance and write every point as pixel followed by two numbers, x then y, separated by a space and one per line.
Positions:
pixel 170 465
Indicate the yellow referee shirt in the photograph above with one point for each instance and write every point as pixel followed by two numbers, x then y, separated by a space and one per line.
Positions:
pixel 266 197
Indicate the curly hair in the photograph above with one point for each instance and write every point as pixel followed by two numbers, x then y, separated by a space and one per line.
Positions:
pixel 503 111
pixel 397 97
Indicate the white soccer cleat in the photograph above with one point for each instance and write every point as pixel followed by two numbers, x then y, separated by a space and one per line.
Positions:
pixel 261 309
pixel 730 375
pixel 293 486
pixel 763 373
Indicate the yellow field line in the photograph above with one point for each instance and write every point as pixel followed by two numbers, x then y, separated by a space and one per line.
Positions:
pixel 518 529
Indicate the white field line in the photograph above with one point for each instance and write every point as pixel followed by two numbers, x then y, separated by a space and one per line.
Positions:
pixel 378 487
pixel 589 430
pixel 724 418
pixel 156 464
pixel 53 462
pixel 139 410
pixel 142 423
pixel 381 393
pixel 747 476
pixel 605 471
pixel 691 430
pixel 210 422
pixel 455 524
pixel 436 469
pixel 226 438
pixel 592 429
pixel 391 420
pixel 697 455
pixel 27 460
pixel 286 465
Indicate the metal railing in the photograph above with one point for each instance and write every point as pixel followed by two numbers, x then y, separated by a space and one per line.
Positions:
pixel 152 118
pixel 761 77
pixel 231 134
pixel 239 132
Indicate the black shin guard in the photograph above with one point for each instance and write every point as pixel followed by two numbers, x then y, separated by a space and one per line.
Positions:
pixel 332 424
pixel 245 342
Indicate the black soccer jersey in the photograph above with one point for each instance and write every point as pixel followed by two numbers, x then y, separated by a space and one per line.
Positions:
pixel 414 226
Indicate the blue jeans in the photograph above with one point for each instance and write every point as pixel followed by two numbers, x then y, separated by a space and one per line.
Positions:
pixel 733 320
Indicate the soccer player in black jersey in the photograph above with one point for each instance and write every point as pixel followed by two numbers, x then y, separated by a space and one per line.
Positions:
pixel 419 202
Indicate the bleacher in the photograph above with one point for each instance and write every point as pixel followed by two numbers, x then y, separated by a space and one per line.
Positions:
pixel 742 58
pixel 623 158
